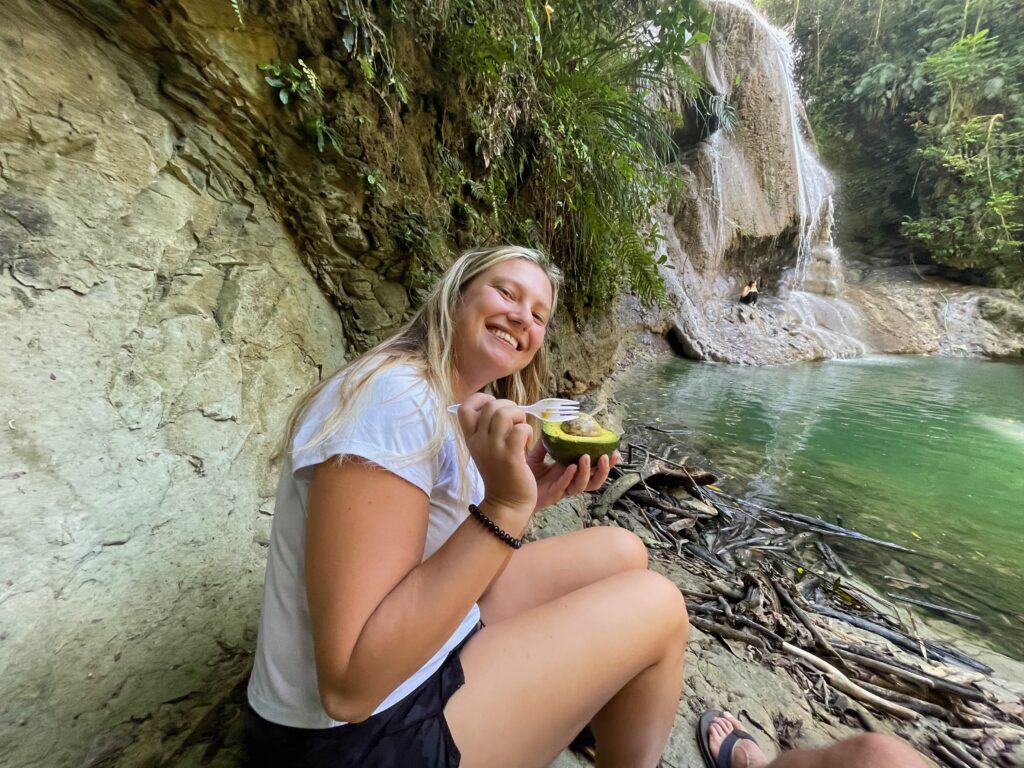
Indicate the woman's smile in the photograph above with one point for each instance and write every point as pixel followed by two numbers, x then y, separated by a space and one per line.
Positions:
pixel 508 338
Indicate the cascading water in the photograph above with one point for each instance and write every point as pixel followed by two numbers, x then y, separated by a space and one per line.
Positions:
pixel 811 292
pixel 715 143
pixel 759 186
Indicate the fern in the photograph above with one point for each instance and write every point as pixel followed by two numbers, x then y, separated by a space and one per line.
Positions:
pixel 236 6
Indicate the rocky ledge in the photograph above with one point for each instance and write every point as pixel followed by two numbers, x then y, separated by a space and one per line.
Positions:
pixel 888 310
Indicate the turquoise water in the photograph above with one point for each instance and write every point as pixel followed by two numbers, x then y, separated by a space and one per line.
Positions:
pixel 925 452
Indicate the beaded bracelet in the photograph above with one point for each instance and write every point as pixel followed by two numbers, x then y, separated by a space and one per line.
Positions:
pixel 494 528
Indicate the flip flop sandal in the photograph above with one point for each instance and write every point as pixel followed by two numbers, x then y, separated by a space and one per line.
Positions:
pixel 725 752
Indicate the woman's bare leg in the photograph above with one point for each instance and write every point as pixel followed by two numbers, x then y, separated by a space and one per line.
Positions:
pixel 870 750
pixel 547 569
pixel 611 651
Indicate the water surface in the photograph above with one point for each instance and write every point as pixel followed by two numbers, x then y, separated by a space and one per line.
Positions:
pixel 925 452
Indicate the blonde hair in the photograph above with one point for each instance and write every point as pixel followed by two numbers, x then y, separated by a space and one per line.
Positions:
pixel 427 344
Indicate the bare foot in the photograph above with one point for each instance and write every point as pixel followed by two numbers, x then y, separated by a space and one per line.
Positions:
pixel 745 753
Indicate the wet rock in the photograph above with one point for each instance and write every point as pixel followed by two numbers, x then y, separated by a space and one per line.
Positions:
pixel 347 232
pixel 1005 313
pixel 174 311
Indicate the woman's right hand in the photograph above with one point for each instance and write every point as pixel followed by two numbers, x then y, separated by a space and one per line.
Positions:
pixel 497 434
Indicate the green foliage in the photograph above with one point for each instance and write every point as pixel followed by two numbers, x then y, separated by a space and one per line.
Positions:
pixel 922 110
pixel 568 152
pixel 293 82
pixel 321 133
pixel 974 216
pixel 717 107
pixel 375 183
pixel 972 174
pixel 548 130
pixel 299 85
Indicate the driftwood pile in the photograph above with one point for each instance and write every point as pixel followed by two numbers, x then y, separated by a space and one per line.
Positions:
pixel 773 584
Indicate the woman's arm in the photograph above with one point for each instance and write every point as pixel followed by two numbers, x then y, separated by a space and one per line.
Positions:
pixel 378 613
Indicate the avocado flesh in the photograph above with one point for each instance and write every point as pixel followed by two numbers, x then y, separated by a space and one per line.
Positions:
pixel 567 449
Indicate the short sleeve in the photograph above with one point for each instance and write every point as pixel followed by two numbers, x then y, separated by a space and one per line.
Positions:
pixel 393 420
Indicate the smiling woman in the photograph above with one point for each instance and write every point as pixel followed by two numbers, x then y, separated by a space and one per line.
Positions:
pixel 404 623
pixel 501 323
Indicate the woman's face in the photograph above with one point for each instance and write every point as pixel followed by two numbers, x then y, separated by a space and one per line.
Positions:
pixel 500 323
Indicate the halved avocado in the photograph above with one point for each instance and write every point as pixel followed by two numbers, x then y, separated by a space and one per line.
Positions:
pixel 568 441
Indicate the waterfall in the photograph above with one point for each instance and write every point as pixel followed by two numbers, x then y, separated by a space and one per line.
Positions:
pixel 761 201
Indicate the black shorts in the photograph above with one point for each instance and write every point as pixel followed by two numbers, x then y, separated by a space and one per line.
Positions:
pixel 410 734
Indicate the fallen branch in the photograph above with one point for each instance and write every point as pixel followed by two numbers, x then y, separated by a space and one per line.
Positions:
pixel 911 702
pixel 832 559
pixel 842 683
pixel 731 633
pixel 959 751
pixel 703 553
pixel 972 717
pixel 647 499
pixel 820 526
pixel 911 675
pixel 742 621
pixel 785 597
pixel 934 607
pixel 905 642
pixel 948 757
pixel 614 492
pixel 1004 732
pixel 690 478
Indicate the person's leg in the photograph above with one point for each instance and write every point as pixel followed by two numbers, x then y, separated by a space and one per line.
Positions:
pixel 869 750
pixel 611 651
pixel 547 569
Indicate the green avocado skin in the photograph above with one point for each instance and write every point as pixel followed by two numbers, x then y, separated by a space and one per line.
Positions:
pixel 566 449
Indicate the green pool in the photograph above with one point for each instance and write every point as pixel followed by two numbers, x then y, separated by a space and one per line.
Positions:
pixel 926 452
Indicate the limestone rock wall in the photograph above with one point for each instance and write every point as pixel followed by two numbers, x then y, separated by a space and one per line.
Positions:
pixel 157 322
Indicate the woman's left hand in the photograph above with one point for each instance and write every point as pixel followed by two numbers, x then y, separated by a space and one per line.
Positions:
pixel 555 482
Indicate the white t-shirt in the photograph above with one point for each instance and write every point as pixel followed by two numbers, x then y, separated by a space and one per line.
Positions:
pixel 394 419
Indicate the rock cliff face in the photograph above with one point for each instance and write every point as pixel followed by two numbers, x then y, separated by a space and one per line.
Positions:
pixel 756 200
pixel 157 322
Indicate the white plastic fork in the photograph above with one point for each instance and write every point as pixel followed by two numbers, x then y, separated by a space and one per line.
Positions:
pixel 553 409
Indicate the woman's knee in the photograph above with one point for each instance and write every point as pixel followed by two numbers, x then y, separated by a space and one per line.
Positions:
pixel 623 547
pixel 663 601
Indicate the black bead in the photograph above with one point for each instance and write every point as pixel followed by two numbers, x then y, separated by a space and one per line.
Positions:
pixel 494 528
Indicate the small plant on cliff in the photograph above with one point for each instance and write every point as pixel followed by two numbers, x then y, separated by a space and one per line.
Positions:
pixel 299 85
pixel 293 82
